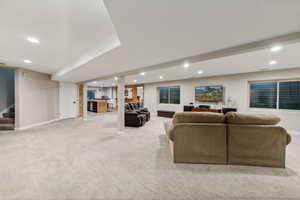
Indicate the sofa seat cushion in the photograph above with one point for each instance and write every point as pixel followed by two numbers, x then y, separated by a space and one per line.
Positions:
pixel 251 119
pixel 198 117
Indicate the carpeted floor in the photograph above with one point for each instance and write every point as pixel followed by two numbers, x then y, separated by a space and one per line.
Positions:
pixel 75 159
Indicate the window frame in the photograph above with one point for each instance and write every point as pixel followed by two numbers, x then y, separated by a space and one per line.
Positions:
pixel 169 96
pixel 277 98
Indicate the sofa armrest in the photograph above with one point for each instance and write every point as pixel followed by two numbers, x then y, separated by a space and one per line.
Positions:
pixel 289 139
pixel 260 145
pixel 131 112
pixel 141 112
pixel 131 115
pixel 144 109
pixel 169 129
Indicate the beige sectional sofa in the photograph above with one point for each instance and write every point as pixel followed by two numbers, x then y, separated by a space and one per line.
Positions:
pixel 234 138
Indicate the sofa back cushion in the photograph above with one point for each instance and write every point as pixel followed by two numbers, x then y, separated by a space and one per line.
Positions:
pixel 132 106
pixel 198 117
pixel 251 119
pixel 127 107
pixel 135 105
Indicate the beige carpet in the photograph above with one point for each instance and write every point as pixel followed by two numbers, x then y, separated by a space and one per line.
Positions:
pixel 76 159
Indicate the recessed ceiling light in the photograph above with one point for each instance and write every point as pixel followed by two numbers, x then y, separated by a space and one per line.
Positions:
pixel 94 82
pixel 142 73
pixel 28 61
pixel 273 62
pixel 33 40
pixel 276 48
pixel 161 77
pixel 116 78
pixel 186 65
pixel 135 81
pixel 200 72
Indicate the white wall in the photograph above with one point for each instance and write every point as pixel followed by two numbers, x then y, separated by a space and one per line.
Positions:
pixel 236 87
pixel 37 98
pixel 7 89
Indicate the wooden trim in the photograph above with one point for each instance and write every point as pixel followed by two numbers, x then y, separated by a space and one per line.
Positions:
pixel 80 104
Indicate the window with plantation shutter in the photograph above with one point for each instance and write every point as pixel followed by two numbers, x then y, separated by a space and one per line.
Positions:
pixel 263 95
pixel 163 95
pixel 175 95
pixel 289 95
pixel 169 95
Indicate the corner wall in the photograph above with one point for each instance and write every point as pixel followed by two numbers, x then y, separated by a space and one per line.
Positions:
pixel 236 87
pixel 37 98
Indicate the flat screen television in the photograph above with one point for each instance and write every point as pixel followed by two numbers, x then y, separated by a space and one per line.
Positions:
pixel 214 93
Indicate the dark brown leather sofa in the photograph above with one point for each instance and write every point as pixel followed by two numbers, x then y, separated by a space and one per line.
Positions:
pixel 140 109
pixel 136 115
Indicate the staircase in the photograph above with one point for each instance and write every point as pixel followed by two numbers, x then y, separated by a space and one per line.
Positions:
pixel 8 120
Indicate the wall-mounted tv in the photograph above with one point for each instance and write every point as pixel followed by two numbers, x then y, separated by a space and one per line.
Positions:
pixel 213 93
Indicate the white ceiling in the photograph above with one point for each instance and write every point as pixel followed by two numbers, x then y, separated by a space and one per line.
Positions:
pixel 71 32
pixel 254 61
pixel 78 39
pixel 153 32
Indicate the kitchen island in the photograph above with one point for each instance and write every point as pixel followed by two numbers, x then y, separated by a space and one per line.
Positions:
pixel 98 106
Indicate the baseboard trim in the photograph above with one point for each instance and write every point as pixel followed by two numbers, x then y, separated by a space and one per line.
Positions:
pixel 38 124
pixel 67 116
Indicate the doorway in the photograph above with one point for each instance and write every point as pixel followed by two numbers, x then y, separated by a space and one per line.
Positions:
pixel 7 99
pixel 68 100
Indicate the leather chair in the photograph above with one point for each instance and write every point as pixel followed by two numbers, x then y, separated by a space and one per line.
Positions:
pixel 134 118
pixel 138 107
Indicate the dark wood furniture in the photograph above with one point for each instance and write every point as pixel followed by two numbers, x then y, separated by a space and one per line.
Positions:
pixel 188 108
pixel 98 106
pixel 226 110
pixel 165 113
pixel 92 106
pixel 205 108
